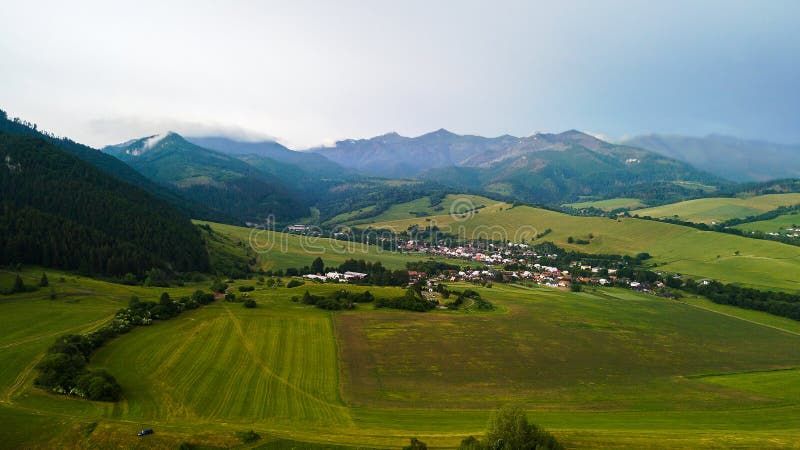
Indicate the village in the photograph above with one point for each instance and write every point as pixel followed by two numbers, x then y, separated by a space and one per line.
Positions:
pixel 509 263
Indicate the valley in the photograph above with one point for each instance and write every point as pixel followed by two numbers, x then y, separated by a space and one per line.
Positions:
pixel 614 348
pixel 373 378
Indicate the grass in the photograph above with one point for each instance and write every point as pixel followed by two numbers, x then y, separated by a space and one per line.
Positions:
pixel 719 209
pixel 778 224
pixel 702 254
pixel 273 250
pixel 601 368
pixel 610 204
pixel 421 207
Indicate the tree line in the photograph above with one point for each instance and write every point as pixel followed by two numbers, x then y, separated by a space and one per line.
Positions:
pixel 64 369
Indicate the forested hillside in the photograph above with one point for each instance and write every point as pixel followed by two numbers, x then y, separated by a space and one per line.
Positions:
pixel 59 211
pixel 109 165
pixel 221 182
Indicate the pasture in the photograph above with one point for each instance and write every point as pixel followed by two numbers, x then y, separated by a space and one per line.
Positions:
pixel 602 368
pixel 719 209
pixel 274 250
pixel 421 207
pixel 610 204
pixel 778 224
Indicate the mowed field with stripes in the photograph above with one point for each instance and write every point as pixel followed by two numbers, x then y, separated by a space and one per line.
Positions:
pixel 226 363
pixel 604 368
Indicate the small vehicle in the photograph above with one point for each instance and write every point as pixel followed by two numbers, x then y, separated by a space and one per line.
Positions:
pixel 145 432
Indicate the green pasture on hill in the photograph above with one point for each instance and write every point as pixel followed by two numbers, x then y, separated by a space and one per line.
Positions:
pixel 602 368
pixel 272 250
pixel 610 204
pixel 422 207
pixel 720 209
pixel 776 225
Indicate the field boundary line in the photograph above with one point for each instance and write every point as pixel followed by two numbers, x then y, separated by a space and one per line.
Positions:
pixel 794 333
pixel 23 376
pixel 55 333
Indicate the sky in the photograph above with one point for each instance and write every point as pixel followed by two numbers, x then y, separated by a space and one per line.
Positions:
pixel 310 73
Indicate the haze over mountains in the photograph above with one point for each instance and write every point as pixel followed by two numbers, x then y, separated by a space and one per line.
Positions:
pixel 732 158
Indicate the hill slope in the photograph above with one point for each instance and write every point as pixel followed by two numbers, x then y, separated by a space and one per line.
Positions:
pixel 109 165
pixel 728 157
pixel 720 209
pixel 217 180
pixel 705 254
pixel 309 162
pixel 59 211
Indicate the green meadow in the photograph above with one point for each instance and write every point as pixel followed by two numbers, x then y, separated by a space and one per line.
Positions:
pixel 700 254
pixel 610 204
pixel 720 209
pixel 271 250
pixel 422 207
pixel 778 224
pixel 602 368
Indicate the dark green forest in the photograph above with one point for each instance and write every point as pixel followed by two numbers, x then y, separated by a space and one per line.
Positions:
pixel 59 211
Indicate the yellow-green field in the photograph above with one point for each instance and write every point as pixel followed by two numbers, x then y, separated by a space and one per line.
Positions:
pixel 610 204
pixel 779 224
pixel 719 209
pixel 422 206
pixel 702 254
pixel 274 250
pixel 601 369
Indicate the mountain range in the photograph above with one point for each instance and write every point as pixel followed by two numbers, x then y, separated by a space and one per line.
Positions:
pixel 542 168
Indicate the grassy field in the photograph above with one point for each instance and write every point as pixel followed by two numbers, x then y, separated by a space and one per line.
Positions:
pixel 778 224
pixel 703 254
pixel 422 207
pixel 603 368
pixel 719 209
pixel 610 204
pixel 274 250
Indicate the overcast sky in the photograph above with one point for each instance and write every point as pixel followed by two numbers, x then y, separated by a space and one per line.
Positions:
pixel 313 72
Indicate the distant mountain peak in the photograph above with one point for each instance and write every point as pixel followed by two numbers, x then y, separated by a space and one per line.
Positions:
pixel 440 133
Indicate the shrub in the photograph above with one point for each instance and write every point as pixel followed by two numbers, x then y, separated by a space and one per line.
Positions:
pixel 294 283
pixel 416 444
pixel 218 286
pixel 250 303
pixel 246 288
pixel 248 436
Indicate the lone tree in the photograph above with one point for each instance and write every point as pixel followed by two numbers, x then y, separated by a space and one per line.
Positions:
pixel 43 282
pixel 19 286
pixel 509 429
pixel 318 266
pixel 165 300
pixel 416 444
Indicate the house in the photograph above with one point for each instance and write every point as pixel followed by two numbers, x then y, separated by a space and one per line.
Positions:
pixel 414 276
pixel 354 275
pixel 315 277
pixel 298 228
